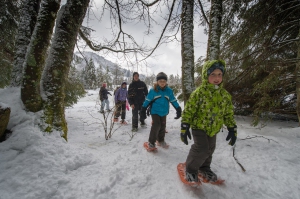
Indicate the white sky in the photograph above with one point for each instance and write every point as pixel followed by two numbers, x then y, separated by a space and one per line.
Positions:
pixel 167 57
pixel 34 165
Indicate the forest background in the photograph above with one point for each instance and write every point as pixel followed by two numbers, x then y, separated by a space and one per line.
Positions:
pixel 259 40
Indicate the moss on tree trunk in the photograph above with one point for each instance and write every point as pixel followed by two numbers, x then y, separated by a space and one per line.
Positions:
pixel 35 57
pixel 58 64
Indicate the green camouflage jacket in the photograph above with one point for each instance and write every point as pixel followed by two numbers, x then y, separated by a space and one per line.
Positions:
pixel 209 106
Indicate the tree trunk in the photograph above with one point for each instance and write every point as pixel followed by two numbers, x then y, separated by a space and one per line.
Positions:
pixel 298 80
pixel 58 63
pixel 29 13
pixel 213 44
pixel 36 53
pixel 187 48
pixel 4 118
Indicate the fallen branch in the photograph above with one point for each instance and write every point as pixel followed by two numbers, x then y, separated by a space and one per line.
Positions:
pixel 233 152
pixel 256 136
pixel 131 135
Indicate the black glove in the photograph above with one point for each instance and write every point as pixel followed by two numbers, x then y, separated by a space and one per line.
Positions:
pixel 148 111
pixel 178 112
pixel 232 134
pixel 143 114
pixel 185 132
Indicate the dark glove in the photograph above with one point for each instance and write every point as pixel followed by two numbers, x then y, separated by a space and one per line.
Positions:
pixel 232 134
pixel 185 132
pixel 143 114
pixel 148 111
pixel 178 112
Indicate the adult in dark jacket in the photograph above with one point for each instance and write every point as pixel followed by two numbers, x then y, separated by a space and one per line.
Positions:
pixel 137 92
pixel 104 98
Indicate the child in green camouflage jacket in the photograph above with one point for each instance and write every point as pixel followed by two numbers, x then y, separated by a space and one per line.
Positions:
pixel 208 108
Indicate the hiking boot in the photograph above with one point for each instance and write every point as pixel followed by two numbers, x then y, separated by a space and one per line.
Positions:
pixel 191 177
pixel 101 111
pixel 134 129
pixel 123 121
pixel 208 175
pixel 151 146
pixel 143 124
pixel 108 110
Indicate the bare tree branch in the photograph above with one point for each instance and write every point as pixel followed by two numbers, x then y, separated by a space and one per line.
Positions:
pixel 164 29
pixel 148 4
pixel 202 11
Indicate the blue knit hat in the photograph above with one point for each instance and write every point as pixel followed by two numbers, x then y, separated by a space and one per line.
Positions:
pixel 215 66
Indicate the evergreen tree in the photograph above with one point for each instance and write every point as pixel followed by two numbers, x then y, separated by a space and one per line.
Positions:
pixel 90 75
pixel 261 53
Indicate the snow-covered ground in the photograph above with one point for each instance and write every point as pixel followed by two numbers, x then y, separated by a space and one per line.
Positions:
pixel 34 165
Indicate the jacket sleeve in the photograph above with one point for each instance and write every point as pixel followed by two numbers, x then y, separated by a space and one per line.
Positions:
pixel 190 108
pixel 145 89
pixel 229 120
pixel 116 96
pixel 173 100
pixel 149 98
pixel 101 94
pixel 130 96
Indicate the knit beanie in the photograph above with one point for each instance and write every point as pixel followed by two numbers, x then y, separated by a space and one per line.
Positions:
pixel 135 74
pixel 161 75
pixel 215 66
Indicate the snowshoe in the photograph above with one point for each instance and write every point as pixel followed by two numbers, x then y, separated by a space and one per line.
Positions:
pixel 150 147
pixel 162 144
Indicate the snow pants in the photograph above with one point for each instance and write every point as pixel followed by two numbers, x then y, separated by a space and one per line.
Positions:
pixel 200 155
pixel 121 109
pixel 158 129
pixel 135 115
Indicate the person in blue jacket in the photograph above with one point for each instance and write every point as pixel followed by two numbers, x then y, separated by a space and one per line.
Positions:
pixel 158 101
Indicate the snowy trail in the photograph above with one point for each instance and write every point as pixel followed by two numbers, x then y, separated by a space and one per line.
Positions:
pixel 132 168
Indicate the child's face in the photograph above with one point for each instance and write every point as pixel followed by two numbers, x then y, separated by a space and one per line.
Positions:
pixel 216 77
pixel 123 85
pixel 162 83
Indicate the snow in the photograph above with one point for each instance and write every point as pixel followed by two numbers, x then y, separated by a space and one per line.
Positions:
pixel 38 165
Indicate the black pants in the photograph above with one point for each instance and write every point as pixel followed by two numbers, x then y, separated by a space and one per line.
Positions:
pixel 200 155
pixel 121 107
pixel 158 129
pixel 135 115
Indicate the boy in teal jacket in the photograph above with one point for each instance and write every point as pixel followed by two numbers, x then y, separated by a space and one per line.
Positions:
pixel 158 99
pixel 208 108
